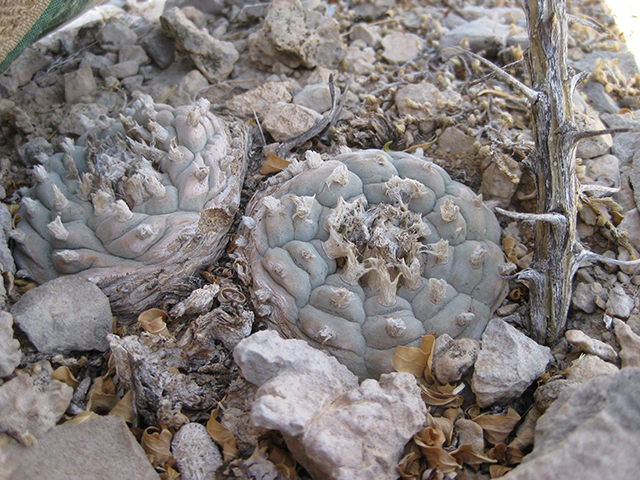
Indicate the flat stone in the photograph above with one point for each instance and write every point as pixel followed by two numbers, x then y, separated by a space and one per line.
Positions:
pixel 588 367
pixel 121 70
pixel 116 34
pixel 593 146
pixel 584 342
pixel 483 34
pixel 78 84
pixel 99 449
pixel 599 99
pixel 550 391
pixel 366 34
pixel 316 96
pixel 418 100
pixel 585 295
pixel 133 52
pixel 260 100
pixel 590 433
pixel 619 304
pixel 286 120
pixel 10 353
pixel 32 403
pixel 507 364
pixel 159 47
pixel 455 359
pixel 625 145
pixel 6 226
pixel 213 57
pixel 603 170
pixel 64 315
pixel 360 61
pixel 401 47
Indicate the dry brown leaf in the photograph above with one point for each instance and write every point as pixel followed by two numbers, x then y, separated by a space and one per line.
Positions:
pixel 446 427
pixel 222 437
pixel 157 445
pixel 170 474
pixel 430 437
pixel 410 360
pixel 154 321
pixel 514 456
pixel 452 414
pixel 437 399
pixel 497 427
pixel 64 375
pixel 427 345
pixel 497 471
pixel 466 454
pixel 82 417
pixel 124 408
pixel 102 397
pixel 439 459
pixel 498 453
pixel 409 465
pixel 273 164
pixel 524 440
pixel 283 462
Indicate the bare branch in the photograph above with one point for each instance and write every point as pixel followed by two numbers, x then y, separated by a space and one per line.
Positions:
pixel 530 93
pixel 577 80
pixel 553 218
pixel 587 22
pixel 589 188
pixel 587 256
pixel 577 136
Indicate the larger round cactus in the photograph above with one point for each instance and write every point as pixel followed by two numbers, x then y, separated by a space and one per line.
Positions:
pixel 138 207
pixel 371 250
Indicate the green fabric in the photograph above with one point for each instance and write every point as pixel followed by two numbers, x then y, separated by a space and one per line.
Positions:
pixel 57 13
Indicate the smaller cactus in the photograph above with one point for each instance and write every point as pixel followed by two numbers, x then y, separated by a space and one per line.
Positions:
pixel 370 250
pixel 136 209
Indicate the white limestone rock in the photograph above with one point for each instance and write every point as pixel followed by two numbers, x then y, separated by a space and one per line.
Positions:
pixel 195 452
pixel 334 428
pixel 507 364
pixel 10 354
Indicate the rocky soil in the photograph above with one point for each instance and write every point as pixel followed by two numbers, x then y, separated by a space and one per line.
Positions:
pixel 199 385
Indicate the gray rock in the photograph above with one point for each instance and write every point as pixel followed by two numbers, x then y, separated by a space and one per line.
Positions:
pixel 35 152
pixel 159 47
pixel 96 62
pixel 625 145
pixel 483 34
pixel 454 358
pixel 294 36
pixel 121 70
pixel 188 87
pixel 261 99
pixel 550 391
pixel 6 257
pixel 116 34
pixel 587 296
pixel 316 96
pixel 100 449
pixel 589 433
pixel 629 344
pixel 507 364
pixel 333 427
pixel 401 47
pixel 195 452
pixel 214 58
pixel 603 170
pixel 619 304
pixel 593 146
pixel 585 343
pixel 133 83
pixel 588 367
pixel 10 354
pixel 599 98
pixel 286 120
pixel 418 100
pixel 625 61
pixel 78 84
pixel 32 403
pixel 133 52
pixel 82 117
pixel 360 61
pixel 365 33
pixel 64 315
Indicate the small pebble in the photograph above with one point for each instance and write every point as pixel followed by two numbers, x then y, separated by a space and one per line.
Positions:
pixel 587 344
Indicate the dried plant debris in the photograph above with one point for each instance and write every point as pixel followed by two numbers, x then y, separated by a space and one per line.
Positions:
pixel 370 250
pixel 138 207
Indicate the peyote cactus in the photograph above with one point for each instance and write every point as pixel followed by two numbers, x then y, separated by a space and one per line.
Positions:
pixel 370 250
pixel 137 208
